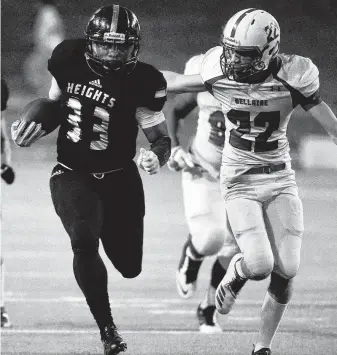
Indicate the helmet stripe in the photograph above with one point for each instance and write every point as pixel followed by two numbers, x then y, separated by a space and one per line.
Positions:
pixel 114 20
pixel 239 20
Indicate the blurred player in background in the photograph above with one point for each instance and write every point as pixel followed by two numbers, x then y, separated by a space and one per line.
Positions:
pixel 96 188
pixel 258 89
pixel 8 175
pixel 48 32
pixel 204 205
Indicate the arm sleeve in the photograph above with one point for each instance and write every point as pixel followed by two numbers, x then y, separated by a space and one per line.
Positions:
pixel 310 87
pixel 147 118
pixel 155 92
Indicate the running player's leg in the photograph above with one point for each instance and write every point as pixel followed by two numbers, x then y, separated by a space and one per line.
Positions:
pixel 122 233
pixel 201 202
pixel 284 222
pixel 80 211
pixel 207 310
pixel 124 210
pixel 218 271
pixel 256 260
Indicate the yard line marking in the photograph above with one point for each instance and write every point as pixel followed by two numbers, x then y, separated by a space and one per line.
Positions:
pixel 239 318
pixel 153 302
pixel 15 331
pixel 81 331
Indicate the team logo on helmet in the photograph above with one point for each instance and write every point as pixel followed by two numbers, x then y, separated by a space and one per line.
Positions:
pixel 272 32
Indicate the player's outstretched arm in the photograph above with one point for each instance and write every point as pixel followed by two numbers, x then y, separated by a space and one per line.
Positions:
pixel 176 109
pixel 180 83
pixel 160 148
pixel 325 116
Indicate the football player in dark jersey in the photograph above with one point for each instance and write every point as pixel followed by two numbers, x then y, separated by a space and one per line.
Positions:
pixel 7 174
pixel 106 94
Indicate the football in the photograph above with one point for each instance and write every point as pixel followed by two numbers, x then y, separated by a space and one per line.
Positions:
pixel 45 111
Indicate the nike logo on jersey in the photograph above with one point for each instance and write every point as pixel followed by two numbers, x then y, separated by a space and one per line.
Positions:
pixel 96 83
pixel 249 102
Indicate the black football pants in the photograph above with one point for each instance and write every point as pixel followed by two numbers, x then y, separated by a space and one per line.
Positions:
pixel 111 209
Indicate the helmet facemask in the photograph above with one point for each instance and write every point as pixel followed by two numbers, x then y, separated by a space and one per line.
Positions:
pixel 239 63
pixel 115 53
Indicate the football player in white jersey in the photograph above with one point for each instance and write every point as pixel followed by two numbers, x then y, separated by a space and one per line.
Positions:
pixel 258 89
pixel 203 203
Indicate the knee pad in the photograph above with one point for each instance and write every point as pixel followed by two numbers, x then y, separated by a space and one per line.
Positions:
pixel 287 263
pixel 280 288
pixel 82 239
pixel 208 242
pixel 257 266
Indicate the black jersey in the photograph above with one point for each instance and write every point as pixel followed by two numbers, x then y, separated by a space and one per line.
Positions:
pixel 4 100
pixel 99 129
pixel 4 94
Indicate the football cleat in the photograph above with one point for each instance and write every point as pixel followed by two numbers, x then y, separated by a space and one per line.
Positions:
pixel 263 351
pixel 187 273
pixel 207 320
pixel 184 288
pixel 229 287
pixel 5 321
pixel 112 341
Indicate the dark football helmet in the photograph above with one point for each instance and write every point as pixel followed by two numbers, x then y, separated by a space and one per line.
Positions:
pixel 115 28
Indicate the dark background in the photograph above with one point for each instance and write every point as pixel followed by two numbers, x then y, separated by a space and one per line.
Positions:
pixel 173 30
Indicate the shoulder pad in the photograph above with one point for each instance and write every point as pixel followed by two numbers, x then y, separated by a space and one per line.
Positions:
pixel 210 67
pixel 65 53
pixel 193 65
pixel 300 73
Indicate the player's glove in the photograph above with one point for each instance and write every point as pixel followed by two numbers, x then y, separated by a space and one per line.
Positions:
pixel 148 161
pixel 179 159
pixel 26 133
pixel 7 173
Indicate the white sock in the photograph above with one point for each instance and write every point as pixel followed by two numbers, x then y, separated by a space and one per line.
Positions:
pixel 271 315
pixel 190 255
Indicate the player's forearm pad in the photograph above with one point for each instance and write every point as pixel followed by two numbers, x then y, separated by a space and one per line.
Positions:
pixel 162 148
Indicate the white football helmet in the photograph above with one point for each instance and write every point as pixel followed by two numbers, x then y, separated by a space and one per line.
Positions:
pixel 250 40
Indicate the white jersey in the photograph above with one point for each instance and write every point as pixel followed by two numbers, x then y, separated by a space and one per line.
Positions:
pixel 257 115
pixel 209 139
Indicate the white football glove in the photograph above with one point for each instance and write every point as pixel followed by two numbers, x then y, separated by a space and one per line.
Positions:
pixel 26 133
pixel 179 159
pixel 148 161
